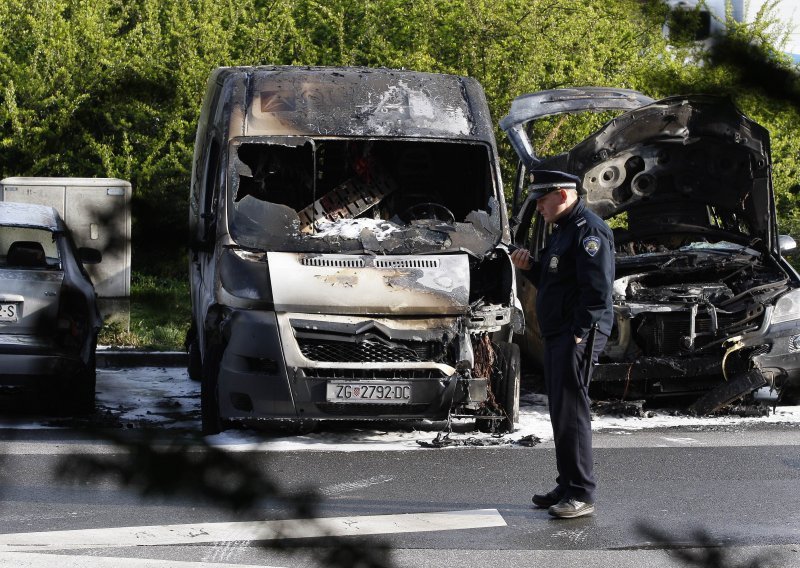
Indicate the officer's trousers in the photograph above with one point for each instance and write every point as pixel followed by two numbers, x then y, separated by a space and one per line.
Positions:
pixel 568 398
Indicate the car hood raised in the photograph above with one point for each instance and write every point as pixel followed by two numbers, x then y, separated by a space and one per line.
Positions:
pixel 679 154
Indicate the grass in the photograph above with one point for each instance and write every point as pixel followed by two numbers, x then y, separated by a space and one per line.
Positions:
pixel 159 318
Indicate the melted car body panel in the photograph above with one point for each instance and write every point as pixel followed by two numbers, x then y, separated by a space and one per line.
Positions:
pixel 314 102
pixel 366 205
pixel 364 284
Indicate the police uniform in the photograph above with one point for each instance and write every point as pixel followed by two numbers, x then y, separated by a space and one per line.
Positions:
pixel 574 280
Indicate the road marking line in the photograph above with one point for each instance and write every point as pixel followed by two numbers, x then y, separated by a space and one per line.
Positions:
pixel 34 560
pixel 682 441
pixel 349 486
pixel 194 533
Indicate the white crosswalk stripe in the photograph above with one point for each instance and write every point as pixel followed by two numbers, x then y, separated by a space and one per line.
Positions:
pixel 26 549
pixel 37 560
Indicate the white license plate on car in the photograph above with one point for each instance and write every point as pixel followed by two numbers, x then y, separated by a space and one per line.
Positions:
pixel 392 392
pixel 8 311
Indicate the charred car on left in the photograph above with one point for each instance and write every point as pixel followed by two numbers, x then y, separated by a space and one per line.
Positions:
pixel 705 302
pixel 49 319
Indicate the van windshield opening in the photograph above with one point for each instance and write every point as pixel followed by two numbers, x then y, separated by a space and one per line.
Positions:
pixel 335 195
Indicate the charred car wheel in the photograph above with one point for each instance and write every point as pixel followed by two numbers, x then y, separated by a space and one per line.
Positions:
pixel 195 367
pixel 506 387
pixel 209 392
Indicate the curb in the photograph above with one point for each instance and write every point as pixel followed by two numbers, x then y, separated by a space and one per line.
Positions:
pixel 128 358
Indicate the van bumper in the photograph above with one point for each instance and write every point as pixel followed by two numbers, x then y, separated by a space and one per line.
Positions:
pixel 272 368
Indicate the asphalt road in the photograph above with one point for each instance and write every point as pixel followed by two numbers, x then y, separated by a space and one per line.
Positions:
pixel 73 496
pixel 738 485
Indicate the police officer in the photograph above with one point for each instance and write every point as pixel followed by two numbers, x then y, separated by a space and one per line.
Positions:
pixel 574 280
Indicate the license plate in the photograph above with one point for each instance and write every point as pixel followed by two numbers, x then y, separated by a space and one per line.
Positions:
pixel 8 311
pixel 392 392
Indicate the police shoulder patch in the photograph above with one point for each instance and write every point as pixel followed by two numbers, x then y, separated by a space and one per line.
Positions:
pixel 591 245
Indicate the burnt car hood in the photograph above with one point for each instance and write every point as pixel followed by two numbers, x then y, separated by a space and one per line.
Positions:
pixel 689 164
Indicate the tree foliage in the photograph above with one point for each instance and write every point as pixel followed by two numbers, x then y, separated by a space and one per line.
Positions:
pixel 113 87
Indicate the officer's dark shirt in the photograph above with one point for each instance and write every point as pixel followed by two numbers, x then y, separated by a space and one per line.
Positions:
pixel 575 275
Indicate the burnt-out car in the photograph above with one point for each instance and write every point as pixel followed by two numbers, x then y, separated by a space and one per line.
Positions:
pixel 347 230
pixel 705 302
pixel 49 319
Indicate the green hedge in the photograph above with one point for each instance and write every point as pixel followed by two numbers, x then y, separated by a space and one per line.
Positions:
pixel 113 87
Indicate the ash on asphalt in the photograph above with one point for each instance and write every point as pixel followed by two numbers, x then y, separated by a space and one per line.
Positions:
pixel 164 399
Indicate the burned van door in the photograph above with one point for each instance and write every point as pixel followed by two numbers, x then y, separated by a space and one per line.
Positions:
pixel 201 264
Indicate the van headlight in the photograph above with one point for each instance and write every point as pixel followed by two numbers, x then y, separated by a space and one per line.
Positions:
pixel 787 307
pixel 245 274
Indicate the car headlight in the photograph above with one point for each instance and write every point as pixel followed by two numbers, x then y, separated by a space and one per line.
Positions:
pixel 787 307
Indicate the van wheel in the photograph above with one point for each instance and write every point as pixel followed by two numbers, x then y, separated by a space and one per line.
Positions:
pixel 506 387
pixel 192 345
pixel 209 392
pixel 195 367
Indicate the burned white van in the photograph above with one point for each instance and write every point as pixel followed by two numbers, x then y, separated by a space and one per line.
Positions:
pixel 347 250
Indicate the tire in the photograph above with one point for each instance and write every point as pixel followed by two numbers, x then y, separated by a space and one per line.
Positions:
pixel 506 387
pixel 81 394
pixel 209 392
pixel 195 367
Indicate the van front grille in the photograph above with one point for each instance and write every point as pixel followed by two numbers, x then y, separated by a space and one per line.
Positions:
pixel 365 351
pixel 373 374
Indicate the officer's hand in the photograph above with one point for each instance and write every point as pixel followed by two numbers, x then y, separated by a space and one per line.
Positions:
pixel 577 340
pixel 521 259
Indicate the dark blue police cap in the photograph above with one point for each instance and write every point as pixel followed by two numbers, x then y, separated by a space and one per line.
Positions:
pixel 545 181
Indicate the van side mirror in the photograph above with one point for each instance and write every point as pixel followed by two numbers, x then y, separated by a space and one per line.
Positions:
pixel 89 255
pixel 787 244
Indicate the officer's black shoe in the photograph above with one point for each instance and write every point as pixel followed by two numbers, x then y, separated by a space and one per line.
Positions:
pixel 569 508
pixel 548 499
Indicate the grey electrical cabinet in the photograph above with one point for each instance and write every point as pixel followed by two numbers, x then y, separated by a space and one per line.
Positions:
pixel 97 212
